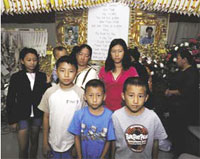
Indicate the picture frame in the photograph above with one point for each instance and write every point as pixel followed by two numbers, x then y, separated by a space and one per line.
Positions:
pixel 71 28
pixel 139 21
pixel 147 34
pixel 71 35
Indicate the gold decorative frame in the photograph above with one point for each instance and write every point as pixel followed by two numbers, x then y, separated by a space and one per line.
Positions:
pixel 71 18
pixel 47 62
pixel 139 18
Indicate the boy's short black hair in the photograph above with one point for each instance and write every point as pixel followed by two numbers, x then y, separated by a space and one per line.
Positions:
pixel 137 81
pixel 59 48
pixel 149 28
pixel 68 60
pixel 95 83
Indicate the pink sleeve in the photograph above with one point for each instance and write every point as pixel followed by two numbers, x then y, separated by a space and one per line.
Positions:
pixel 101 73
pixel 133 72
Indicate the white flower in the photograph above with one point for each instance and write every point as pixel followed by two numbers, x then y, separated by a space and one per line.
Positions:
pixel 149 61
pixel 164 75
pixel 143 56
pixel 149 58
pixel 155 66
pixel 174 59
pixel 161 65
pixel 176 48
pixel 181 44
pixel 152 73
pixel 186 44
pixel 155 61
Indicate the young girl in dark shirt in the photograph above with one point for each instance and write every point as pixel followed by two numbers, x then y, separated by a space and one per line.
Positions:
pixel 24 94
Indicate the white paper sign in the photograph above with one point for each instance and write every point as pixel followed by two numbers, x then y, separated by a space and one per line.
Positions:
pixel 106 23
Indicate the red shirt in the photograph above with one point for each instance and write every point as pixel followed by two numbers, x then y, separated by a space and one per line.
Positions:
pixel 114 87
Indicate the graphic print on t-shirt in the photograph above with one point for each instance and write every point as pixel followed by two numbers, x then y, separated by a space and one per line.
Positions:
pixel 92 133
pixel 136 137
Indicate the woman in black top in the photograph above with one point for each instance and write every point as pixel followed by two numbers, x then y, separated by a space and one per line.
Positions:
pixel 183 100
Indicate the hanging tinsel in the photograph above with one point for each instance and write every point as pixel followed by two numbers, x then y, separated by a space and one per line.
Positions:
pixel 188 7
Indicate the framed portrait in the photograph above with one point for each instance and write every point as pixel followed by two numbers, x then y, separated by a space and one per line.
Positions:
pixel 71 28
pixel 147 34
pixel 148 30
pixel 71 35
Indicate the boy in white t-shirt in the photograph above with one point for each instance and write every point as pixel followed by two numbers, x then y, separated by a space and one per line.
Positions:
pixel 59 104
pixel 137 128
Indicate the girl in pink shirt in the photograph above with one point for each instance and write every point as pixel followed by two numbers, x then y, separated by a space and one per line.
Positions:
pixel 117 69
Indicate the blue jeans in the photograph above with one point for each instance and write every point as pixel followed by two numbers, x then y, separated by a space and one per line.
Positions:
pixel 31 125
pixel 32 122
pixel 60 155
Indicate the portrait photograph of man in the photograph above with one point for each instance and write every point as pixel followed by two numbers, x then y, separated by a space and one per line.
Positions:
pixel 147 34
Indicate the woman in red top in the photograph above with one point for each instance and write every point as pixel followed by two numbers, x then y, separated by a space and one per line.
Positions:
pixel 117 69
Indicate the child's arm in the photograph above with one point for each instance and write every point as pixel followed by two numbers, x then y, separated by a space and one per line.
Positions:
pixel 105 149
pixel 155 150
pixel 113 150
pixel 78 146
pixel 46 148
pixel 48 76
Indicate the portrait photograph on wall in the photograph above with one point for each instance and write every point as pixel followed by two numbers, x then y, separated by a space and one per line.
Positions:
pixel 71 30
pixel 147 33
pixel 71 35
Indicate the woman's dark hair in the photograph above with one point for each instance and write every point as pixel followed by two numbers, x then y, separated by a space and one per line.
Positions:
pixel 75 50
pixel 85 46
pixel 24 52
pixel 134 53
pixel 70 29
pixel 126 61
pixel 185 53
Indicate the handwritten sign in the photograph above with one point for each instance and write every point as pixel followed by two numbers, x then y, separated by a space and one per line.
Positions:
pixel 106 23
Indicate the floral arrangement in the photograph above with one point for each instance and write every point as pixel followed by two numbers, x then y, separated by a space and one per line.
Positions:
pixel 161 66
pixel 162 61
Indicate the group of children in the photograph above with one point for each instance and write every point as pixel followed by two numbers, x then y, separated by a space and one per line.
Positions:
pixel 76 116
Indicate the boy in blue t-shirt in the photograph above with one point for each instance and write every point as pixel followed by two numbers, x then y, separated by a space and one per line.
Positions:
pixel 92 125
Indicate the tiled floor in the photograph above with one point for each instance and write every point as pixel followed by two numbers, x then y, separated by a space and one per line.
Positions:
pixel 9 147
